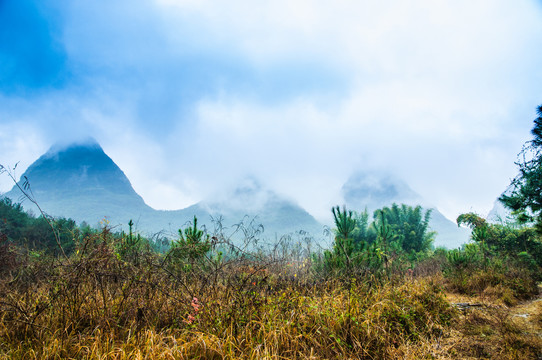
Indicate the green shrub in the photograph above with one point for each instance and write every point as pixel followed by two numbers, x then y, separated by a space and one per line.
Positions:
pixel 188 252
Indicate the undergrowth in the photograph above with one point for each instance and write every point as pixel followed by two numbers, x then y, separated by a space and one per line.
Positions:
pixel 114 296
pixel 101 306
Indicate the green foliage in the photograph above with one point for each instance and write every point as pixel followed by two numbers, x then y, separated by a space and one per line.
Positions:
pixel 363 233
pixel 13 219
pixel 505 240
pixel 343 246
pixel 479 226
pixel 358 248
pixel 344 222
pixel 26 230
pixel 503 260
pixel 129 246
pixel 472 220
pixel 524 196
pixel 396 234
pixel 190 249
pixel 462 260
pixel 411 226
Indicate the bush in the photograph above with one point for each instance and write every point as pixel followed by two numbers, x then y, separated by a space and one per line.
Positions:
pixel 187 253
pixel 506 280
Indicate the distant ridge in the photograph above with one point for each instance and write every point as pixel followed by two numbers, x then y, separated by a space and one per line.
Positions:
pixel 80 181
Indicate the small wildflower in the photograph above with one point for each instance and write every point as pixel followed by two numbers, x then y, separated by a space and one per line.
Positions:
pixel 190 319
pixel 196 305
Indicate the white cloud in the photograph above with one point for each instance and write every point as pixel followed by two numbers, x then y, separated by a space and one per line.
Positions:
pixel 20 146
pixel 441 92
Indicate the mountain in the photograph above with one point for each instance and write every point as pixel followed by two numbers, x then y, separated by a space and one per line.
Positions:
pixel 278 214
pixel 375 190
pixel 81 182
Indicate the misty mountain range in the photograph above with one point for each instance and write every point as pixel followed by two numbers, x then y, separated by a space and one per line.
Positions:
pixel 81 182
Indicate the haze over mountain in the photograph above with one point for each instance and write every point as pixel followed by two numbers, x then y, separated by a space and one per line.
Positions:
pixel 81 182
pixel 278 214
pixel 374 190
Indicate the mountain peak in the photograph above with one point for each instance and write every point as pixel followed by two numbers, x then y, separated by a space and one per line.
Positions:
pixel 377 189
pixel 88 143
pixel 79 173
pixel 248 186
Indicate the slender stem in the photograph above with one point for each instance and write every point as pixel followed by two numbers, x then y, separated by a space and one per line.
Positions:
pixel 30 196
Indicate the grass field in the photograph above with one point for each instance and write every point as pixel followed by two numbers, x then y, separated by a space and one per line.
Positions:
pixel 99 305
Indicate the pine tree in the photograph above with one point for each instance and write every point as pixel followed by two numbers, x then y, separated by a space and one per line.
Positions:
pixel 524 195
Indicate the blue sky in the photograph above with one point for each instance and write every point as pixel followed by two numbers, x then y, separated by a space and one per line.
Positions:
pixel 189 97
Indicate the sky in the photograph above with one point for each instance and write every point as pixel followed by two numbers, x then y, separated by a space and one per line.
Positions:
pixel 189 97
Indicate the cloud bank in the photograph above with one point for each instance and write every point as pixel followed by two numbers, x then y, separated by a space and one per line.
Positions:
pixel 190 96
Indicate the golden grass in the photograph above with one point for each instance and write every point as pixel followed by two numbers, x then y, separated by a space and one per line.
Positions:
pixel 494 330
pixel 100 307
pixel 121 312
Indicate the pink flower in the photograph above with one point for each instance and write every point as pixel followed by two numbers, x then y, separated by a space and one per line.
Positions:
pixel 190 319
pixel 196 305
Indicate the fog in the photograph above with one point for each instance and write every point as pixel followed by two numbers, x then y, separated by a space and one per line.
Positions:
pixel 191 97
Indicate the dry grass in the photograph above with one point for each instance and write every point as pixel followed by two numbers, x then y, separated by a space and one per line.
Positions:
pixel 507 286
pixel 492 330
pixel 102 307
pixel 383 322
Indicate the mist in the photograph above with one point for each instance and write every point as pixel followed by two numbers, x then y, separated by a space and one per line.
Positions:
pixel 190 98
